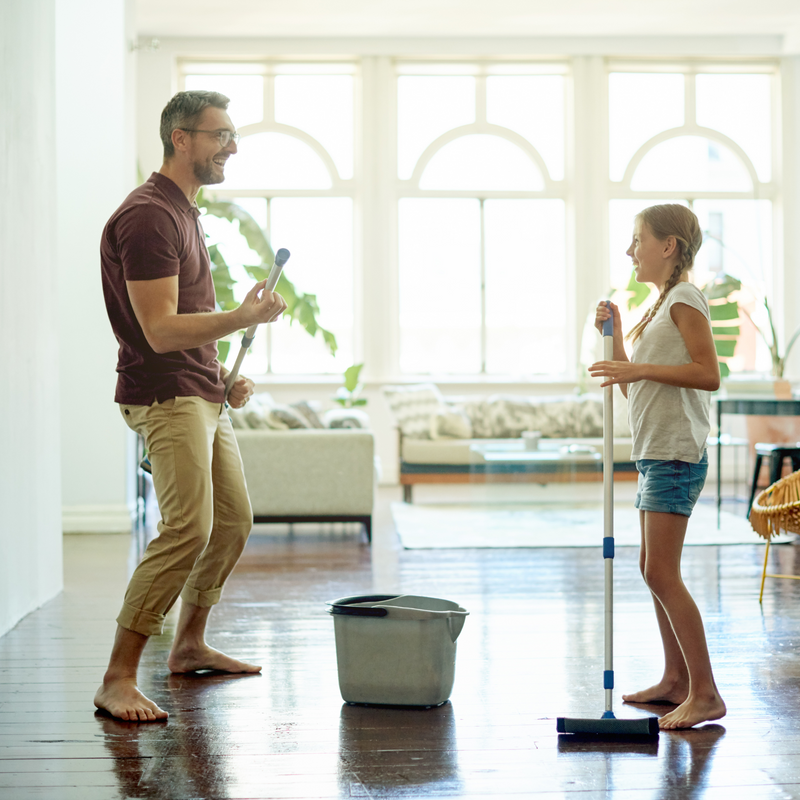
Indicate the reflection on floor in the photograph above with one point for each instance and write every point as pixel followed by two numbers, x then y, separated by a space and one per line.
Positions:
pixel 531 650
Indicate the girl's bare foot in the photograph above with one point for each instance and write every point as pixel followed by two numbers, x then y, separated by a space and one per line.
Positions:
pixel 122 699
pixel 194 658
pixel 693 712
pixel 665 692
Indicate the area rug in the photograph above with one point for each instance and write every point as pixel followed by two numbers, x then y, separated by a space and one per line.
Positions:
pixel 435 526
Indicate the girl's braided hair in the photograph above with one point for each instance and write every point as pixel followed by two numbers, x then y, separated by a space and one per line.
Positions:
pixel 662 221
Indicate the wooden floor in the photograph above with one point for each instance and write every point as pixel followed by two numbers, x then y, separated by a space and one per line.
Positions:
pixel 531 650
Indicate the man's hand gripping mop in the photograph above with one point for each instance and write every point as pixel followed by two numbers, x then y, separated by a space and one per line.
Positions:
pixel 281 257
pixel 608 724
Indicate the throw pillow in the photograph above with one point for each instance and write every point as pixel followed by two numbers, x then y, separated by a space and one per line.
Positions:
pixel 479 414
pixel 309 413
pixel 450 423
pixel 559 418
pixel 590 412
pixel 256 411
pixel 413 407
pixel 237 418
pixel 510 416
pixel 283 417
pixel 346 418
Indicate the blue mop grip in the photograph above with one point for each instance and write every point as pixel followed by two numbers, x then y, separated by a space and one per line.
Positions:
pixel 608 325
pixel 608 547
pixel 608 679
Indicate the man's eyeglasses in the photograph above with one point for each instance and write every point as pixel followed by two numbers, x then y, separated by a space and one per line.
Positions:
pixel 225 137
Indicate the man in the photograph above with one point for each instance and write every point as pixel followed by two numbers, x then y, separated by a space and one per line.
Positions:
pixel 160 300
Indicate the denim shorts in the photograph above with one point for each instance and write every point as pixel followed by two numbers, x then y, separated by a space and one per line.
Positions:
pixel 670 487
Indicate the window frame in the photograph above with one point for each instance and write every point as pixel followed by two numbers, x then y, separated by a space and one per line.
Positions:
pixel 270 68
pixel 586 189
pixel 481 70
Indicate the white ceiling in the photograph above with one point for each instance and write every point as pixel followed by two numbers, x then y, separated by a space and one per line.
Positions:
pixel 449 18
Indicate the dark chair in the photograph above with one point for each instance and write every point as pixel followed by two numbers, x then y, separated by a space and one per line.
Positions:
pixel 777 454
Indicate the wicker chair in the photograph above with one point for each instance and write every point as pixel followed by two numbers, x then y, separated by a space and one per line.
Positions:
pixel 776 510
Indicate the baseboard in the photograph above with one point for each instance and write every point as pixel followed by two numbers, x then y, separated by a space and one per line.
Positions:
pixel 96 519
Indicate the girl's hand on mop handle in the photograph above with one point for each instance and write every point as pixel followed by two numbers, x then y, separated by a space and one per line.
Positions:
pixel 607 310
pixel 617 372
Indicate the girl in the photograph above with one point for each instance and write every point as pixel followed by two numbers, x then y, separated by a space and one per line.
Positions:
pixel 667 382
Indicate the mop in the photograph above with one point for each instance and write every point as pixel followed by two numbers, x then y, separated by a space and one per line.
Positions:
pixel 281 257
pixel 608 724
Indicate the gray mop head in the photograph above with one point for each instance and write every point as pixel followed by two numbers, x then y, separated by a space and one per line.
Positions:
pixel 644 726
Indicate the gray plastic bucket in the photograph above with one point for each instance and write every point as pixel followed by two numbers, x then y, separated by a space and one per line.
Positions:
pixel 396 649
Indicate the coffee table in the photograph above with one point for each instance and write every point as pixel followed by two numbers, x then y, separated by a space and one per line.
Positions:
pixel 548 464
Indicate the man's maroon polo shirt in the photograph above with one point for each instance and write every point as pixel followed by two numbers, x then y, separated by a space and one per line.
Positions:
pixel 155 233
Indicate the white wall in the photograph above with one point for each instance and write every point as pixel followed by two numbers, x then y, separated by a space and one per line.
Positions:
pixel 30 492
pixel 95 105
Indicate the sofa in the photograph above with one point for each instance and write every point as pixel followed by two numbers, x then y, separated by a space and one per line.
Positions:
pixel 444 439
pixel 304 467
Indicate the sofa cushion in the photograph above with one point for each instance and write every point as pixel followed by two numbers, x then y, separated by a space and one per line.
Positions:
pixel 346 418
pixel 479 413
pixel 450 423
pixel 287 417
pixel 413 406
pixel 305 409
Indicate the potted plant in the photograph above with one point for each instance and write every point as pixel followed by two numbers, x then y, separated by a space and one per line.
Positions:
pixel 300 307
pixel 347 396
pixel 723 307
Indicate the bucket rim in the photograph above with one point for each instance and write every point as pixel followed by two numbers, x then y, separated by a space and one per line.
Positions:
pixel 359 605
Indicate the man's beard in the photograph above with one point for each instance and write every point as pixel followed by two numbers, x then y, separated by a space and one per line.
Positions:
pixel 205 174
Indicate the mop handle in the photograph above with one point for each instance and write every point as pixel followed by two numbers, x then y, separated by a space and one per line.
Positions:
pixel 281 257
pixel 608 512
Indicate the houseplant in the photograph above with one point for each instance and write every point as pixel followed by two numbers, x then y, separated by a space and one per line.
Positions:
pixel 347 396
pixel 300 307
pixel 723 307
pixel 778 360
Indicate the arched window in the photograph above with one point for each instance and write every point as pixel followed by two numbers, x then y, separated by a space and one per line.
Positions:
pixel 294 174
pixel 681 136
pixel 481 221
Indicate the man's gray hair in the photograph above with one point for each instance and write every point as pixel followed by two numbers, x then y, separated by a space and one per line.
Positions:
pixel 184 111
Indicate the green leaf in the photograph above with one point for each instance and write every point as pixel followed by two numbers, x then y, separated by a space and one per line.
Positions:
pixel 725 347
pixel 724 370
pixel 330 340
pixel 360 402
pixel 726 331
pixel 351 377
pixel 256 273
pixel 299 306
pixel 721 311
pixel 641 291
pixel 721 287
pixel 224 347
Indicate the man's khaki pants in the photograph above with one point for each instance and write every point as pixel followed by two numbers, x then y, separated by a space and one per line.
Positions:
pixel 205 510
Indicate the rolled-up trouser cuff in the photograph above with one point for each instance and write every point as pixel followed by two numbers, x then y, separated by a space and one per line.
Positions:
pixel 139 621
pixel 201 599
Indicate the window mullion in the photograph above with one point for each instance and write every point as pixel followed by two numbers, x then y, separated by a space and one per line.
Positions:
pixel 690 99
pixel 268 328
pixel 483 286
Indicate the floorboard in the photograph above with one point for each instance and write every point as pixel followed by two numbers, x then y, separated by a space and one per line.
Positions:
pixel 531 650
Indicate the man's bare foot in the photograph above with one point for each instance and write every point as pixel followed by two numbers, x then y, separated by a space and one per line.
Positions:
pixel 191 659
pixel 122 699
pixel 693 712
pixel 664 692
